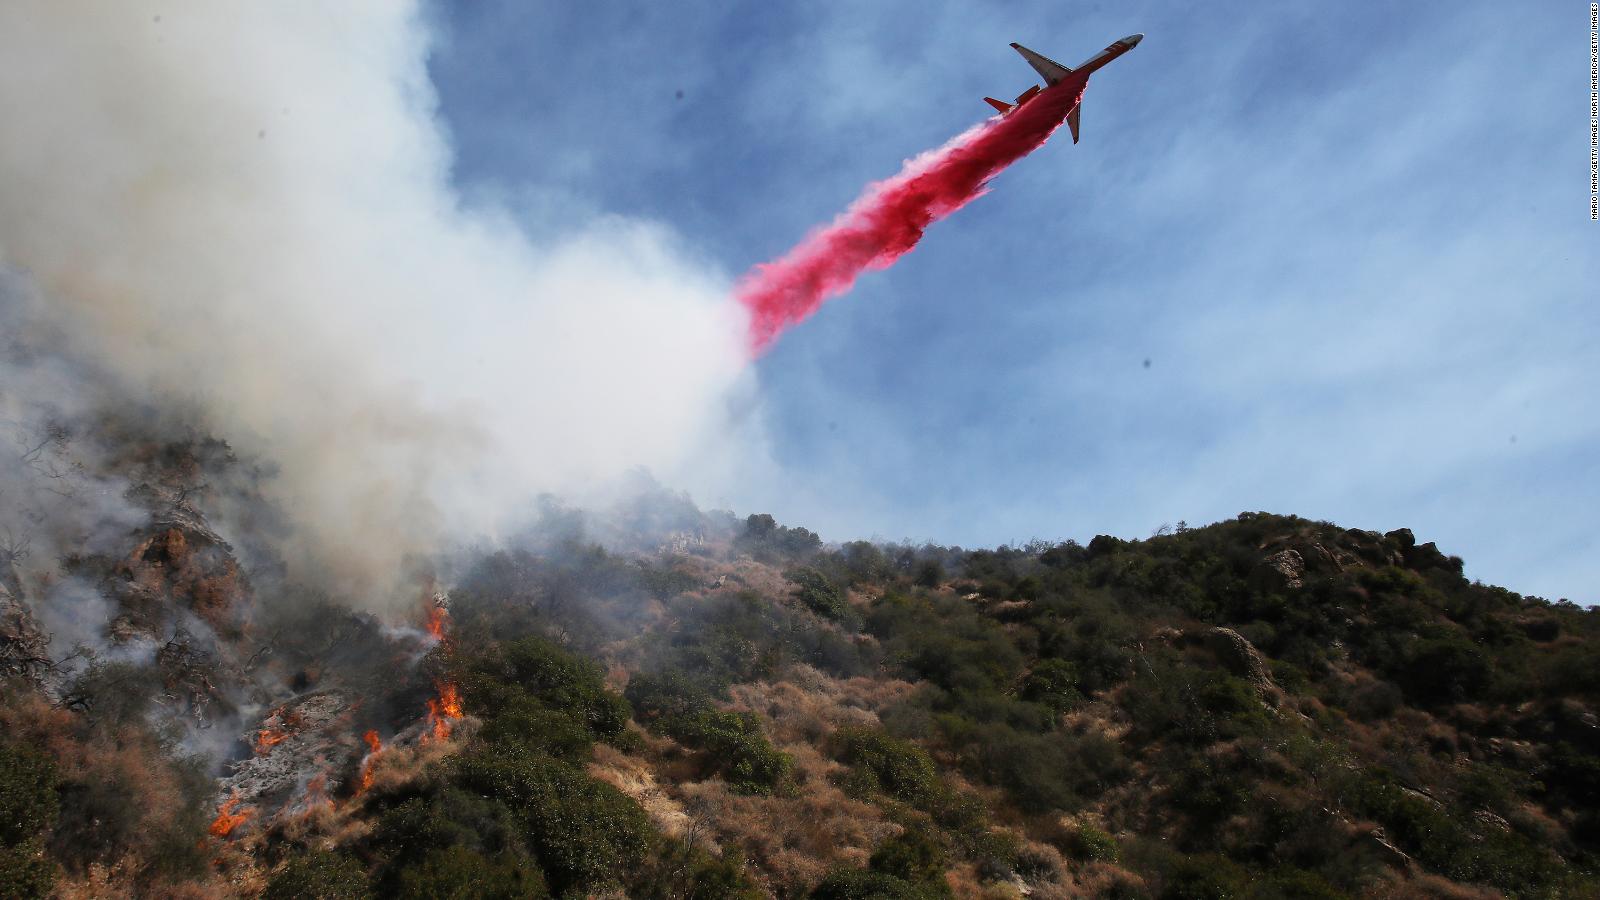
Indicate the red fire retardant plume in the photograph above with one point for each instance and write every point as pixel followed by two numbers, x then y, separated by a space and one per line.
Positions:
pixel 888 219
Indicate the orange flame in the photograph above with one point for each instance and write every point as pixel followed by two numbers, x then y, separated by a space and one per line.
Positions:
pixel 269 737
pixel 376 748
pixel 443 712
pixel 275 729
pixel 437 615
pixel 227 820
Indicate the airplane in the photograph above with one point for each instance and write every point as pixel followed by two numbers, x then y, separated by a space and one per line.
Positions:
pixel 1055 73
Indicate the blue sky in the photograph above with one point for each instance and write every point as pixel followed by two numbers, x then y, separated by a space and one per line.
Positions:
pixel 1351 241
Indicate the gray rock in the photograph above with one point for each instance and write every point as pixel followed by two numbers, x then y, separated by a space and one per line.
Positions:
pixel 1319 558
pixel 1239 656
pixel 1403 537
pixel 1284 570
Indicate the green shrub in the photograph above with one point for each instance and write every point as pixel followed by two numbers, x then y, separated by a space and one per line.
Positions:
pixel 1211 789
pixel 864 561
pixel 1038 771
pixel 1573 774
pixel 728 639
pixel 1442 842
pixel 813 589
pixel 865 884
pixel 733 742
pixel 319 876
pixel 742 752
pixel 1206 877
pixel 526 722
pixel 765 539
pixel 459 873
pixel 1295 884
pixel 665 581
pixel 28 805
pixel 538 669
pixel 451 817
pixel 912 856
pixel 665 697
pixel 1196 706
pixel 897 768
pixel 902 771
pixel 681 872
pixel 1089 843
pixel 958 660
pixel 28 812
pixel 1569 669
pixel 584 832
pixel 1444 669
pixel 25 873
pixel 1373 701
pixel 1053 683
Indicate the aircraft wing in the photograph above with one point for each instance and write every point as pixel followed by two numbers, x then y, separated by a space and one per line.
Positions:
pixel 1047 68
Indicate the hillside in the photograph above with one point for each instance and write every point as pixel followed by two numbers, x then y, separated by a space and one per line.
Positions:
pixel 661 702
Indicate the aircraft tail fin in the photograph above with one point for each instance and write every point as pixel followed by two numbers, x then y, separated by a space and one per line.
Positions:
pixel 1000 106
pixel 1072 120
pixel 1050 70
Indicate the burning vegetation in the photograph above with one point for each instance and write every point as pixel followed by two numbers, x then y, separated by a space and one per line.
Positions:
pixel 374 750
pixel 230 816
pixel 1265 707
pixel 443 712
pixel 275 729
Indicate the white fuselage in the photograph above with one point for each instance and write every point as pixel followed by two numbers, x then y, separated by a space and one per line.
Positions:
pixel 1116 49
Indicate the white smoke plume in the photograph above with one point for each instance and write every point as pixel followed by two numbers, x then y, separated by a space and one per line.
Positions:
pixel 248 208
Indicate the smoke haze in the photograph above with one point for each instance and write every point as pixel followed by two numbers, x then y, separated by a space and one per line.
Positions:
pixel 249 209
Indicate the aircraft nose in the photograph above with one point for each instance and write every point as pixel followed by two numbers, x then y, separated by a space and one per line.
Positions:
pixel 1134 39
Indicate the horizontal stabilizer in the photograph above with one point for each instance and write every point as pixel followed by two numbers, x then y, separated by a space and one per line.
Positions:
pixel 1072 120
pixel 1000 106
pixel 1048 69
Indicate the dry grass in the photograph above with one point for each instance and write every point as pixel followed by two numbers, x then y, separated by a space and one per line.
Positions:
pixel 791 842
pixel 634 776
pixel 759 577
pixel 810 705
pixel 1100 879
pixel 121 881
pixel 147 786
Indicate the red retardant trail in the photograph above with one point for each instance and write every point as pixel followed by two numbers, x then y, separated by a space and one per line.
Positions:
pixel 888 219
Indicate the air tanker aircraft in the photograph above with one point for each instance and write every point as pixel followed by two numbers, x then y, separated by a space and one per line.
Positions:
pixel 1059 78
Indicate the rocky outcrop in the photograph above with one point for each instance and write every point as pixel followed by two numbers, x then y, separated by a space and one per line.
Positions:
pixel 1403 537
pixel 307 735
pixel 1320 559
pixel 1284 570
pixel 180 564
pixel 1374 548
pixel 1238 656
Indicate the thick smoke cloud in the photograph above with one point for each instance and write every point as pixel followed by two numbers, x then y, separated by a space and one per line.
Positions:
pixel 249 209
